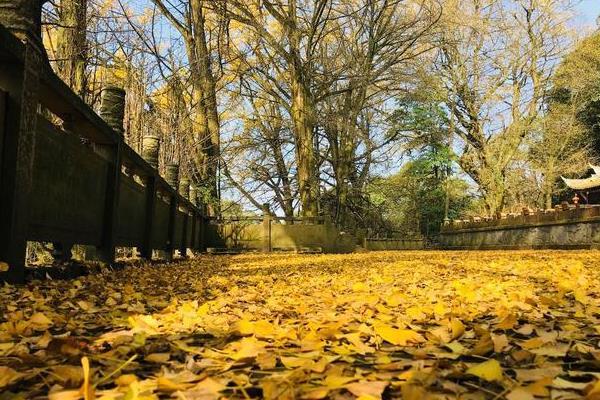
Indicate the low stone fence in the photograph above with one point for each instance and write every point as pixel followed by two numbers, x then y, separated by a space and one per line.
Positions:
pixel 268 233
pixel 565 227
pixel 376 244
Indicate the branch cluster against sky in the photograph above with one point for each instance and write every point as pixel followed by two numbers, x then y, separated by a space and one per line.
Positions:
pixel 589 11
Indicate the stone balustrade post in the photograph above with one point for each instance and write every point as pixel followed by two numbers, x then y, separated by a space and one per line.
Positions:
pixel 112 111
pixel 266 231
pixel 150 150
pixel 172 175
pixel 19 99
pixel 172 178
pixel 112 107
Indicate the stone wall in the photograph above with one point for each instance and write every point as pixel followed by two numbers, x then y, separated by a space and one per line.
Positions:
pixel 567 227
pixel 258 236
pixel 393 244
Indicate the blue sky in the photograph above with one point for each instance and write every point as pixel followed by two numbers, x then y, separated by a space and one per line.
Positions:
pixel 589 10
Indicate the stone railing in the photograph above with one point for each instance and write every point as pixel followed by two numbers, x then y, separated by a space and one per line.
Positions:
pixel 565 226
pixel 561 214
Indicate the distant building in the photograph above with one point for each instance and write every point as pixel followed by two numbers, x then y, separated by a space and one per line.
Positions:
pixel 587 188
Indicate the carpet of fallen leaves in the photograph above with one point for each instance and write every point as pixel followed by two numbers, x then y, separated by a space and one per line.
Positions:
pixel 412 325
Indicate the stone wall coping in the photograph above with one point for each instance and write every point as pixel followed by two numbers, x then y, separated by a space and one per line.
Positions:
pixel 573 215
pixel 392 240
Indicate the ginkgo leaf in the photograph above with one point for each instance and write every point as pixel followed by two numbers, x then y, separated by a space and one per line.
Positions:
pixel 65 395
pixel 359 287
pixel 86 388
pixel 400 337
pixel 9 376
pixel 457 328
pixel 245 327
pixel 394 299
pixel 490 370
pixel 295 362
pixel 520 394
pixel 316 394
pixel 367 389
pixel 207 389
pixel 159 358
pixel 333 381
pixel 68 374
pixel 248 347
pixel 532 343
pixel 500 342
pixel 165 384
pixel 39 321
pixel 277 390
pixel 508 322
pixel 263 329
pixel 126 380
pixel 295 330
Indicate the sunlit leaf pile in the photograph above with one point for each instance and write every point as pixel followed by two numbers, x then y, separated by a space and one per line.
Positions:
pixel 415 325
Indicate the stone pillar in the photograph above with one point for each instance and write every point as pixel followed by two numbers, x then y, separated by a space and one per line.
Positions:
pixel 266 224
pixel 112 107
pixel 150 149
pixel 19 94
pixel 172 178
pixel 24 19
pixel 112 110
pixel 172 175
pixel 184 191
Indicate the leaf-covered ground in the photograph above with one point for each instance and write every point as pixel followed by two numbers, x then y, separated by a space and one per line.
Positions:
pixel 413 325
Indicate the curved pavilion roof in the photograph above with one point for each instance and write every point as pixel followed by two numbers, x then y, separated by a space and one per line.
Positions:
pixel 587 183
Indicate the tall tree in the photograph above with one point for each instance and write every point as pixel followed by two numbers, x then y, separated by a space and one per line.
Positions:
pixel 300 27
pixel 189 18
pixel 496 59
pixel 577 83
pixel 379 42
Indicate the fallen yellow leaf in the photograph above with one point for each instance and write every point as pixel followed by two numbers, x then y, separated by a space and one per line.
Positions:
pixel 40 322
pixel 9 376
pixel 367 390
pixel 490 370
pixel 457 328
pixel 245 327
pixel 87 389
pixel 159 358
pixel 263 329
pixel 508 322
pixel 400 337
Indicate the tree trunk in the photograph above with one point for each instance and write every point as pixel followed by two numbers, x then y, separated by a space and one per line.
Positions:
pixel 287 201
pixel 210 106
pixel 206 118
pixel 71 52
pixel 302 115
